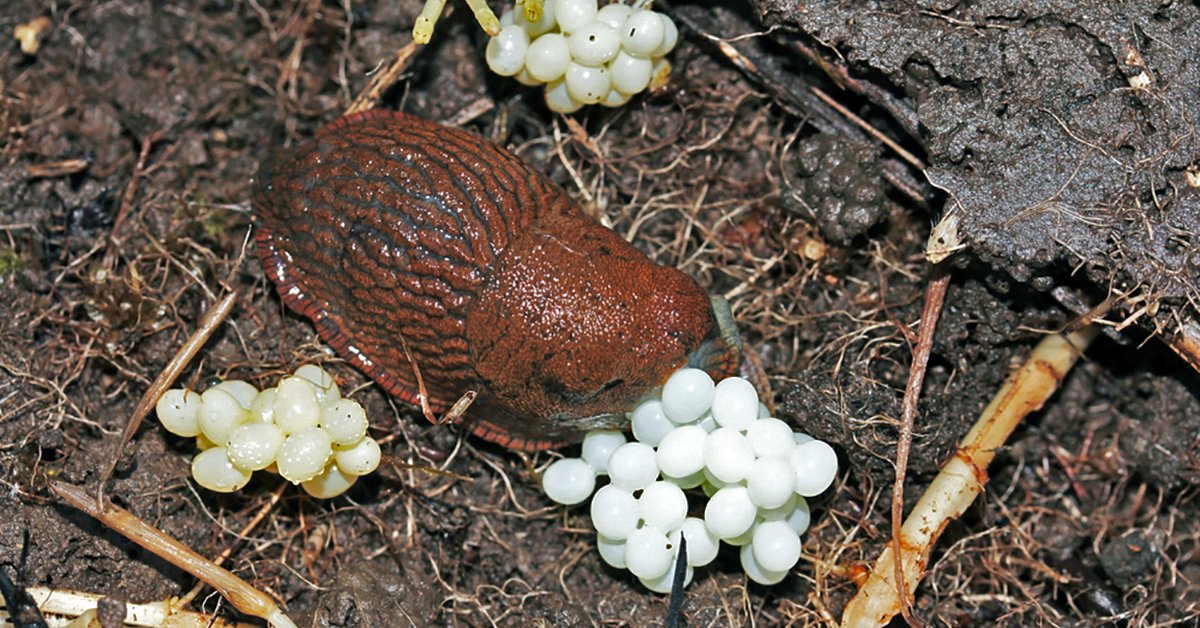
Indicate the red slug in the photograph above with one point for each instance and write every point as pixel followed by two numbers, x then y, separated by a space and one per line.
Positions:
pixel 391 231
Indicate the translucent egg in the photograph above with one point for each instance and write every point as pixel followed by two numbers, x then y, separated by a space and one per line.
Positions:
pixel 776 546
pixel 763 410
pixel 296 405
pixel 681 452
pixel 735 401
pixel 323 383
pixel 361 458
pixel 663 505
pixel 569 481
pixel 670 36
pixel 755 571
pixel 523 77
pixel 244 392
pixel 687 395
pixel 304 454
pixel 559 100
pixel 728 455
pixel 650 425
pixel 630 74
pixel 648 553
pixel 729 512
pixel 663 583
pixel 329 484
pixel 594 44
pixel 815 464
pixel 587 84
pixel 702 545
pixel 781 512
pixel 800 516
pixel 613 15
pixel 544 24
pixel 574 14
pixel 642 33
pixel 614 512
pixel 615 99
pixel 262 409
pixel 178 411
pixel 611 551
pixel 598 446
pixel 254 445
pixel 345 420
pixel 213 470
pixel 632 466
pixel 548 57
pixel 771 482
pixel 770 438
pixel 505 52
pixel 743 538
pixel 686 482
pixel 801 437
pixel 219 414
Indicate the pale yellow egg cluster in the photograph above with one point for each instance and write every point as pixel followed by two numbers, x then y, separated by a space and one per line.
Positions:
pixel 302 429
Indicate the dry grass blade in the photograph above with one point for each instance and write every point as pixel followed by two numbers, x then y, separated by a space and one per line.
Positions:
pixel 382 80
pixel 962 478
pixel 240 593
pixel 60 606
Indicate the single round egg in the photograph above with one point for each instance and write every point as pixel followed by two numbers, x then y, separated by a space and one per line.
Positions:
pixel 670 36
pixel 776 546
pixel 630 74
pixel 505 53
pixel 586 83
pixel 345 420
pixel 296 406
pixel 559 100
pixel 663 505
pixel 361 458
pixel 770 438
pixel 642 33
pixel 735 401
pixel 329 484
pixel 598 446
pixel 615 99
pixel 262 409
pixel 632 466
pixel 548 57
pixel 815 464
pixel 650 425
pixel 648 552
pixel 755 571
pixel 771 482
pixel 244 392
pixel 613 15
pixel 212 469
pixel 569 481
pixel 323 383
pixel 681 452
pixel 574 14
pixel 178 411
pixel 219 414
pixel 594 44
pixel 800 517
pixel 614 512
pixel 729 512
pixel 611 551
pixel 253 446
pixel 304 454
pixel 702 544
pixel 687 395
pixel 728 455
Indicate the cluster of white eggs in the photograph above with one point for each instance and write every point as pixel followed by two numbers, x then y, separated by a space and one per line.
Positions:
pixel 584 54
pixel 755 471
pixel 302 429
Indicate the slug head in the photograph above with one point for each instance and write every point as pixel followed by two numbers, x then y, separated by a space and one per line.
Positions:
pixel 575 326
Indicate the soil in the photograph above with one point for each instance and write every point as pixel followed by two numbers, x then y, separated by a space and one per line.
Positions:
pixel 130 137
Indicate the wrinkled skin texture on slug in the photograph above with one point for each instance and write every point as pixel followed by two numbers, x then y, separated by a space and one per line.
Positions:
pixel 390 231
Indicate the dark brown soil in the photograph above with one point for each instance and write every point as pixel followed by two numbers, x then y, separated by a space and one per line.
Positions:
pixel 738 177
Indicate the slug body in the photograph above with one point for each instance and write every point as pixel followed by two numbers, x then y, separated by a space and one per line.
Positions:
pixel 391 232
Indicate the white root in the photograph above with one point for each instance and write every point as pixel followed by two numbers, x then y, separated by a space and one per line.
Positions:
pixel 962 478
pixel 61 607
